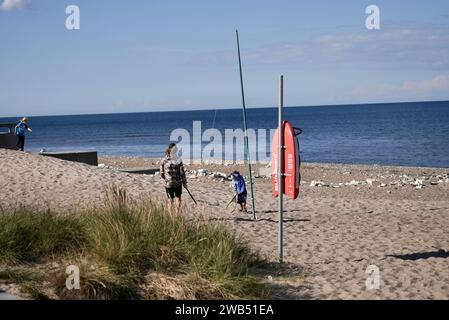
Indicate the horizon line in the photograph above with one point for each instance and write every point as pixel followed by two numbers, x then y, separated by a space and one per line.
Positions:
pixel 227 108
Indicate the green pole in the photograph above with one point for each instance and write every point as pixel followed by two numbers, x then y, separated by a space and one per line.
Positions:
pixel 246 129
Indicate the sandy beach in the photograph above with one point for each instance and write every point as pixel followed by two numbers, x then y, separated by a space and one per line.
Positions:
pixel 346 218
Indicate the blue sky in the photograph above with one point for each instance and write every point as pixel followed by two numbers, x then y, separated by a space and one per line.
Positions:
pixel 140 55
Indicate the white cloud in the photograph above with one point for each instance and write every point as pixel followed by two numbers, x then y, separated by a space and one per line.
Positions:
pixel 437 84
pixel 8 5
pixel 403 46
pixel 435 88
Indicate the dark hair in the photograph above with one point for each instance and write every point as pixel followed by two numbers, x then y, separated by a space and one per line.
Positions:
pixel 168 150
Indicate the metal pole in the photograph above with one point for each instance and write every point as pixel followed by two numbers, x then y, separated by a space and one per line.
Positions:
pixel 246 129
pixel 280 170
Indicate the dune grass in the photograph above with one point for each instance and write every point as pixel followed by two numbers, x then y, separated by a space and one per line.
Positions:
pixel 119 244
pixel 26 236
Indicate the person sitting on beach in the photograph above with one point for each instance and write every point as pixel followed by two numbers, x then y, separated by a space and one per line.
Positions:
pixel 20 130
pixel 240 190
pixel 172 171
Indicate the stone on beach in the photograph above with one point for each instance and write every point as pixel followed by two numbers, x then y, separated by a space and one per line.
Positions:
pixel 319 184
pixel 418 183
pixel 355 183
pixel 220 175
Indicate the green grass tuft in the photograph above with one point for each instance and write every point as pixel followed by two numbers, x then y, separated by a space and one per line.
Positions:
pixel 25 236
pixel 127 241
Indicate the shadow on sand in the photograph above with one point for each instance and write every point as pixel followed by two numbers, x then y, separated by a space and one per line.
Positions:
pixel 286 220
pixel 238 219
pixel 276 211
pixel 422 255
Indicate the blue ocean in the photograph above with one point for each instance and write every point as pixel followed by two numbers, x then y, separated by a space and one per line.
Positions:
pixel 404 134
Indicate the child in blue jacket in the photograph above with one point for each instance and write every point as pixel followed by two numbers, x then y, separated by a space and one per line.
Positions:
pixel 240 190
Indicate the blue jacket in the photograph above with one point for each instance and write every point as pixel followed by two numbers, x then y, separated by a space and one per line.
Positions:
pixel 21 128
pixel 239 184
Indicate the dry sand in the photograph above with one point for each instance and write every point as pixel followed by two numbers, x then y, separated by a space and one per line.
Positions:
pixel 353 216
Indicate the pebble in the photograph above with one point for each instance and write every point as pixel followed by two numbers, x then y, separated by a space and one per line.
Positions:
pixel 220 175
pixel 355 183
pixel 417 183
pixel 319 184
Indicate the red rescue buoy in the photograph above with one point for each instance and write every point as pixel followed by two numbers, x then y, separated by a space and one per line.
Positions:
pixel 291 165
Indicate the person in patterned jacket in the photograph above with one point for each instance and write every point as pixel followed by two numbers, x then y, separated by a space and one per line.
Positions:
pixel 172 171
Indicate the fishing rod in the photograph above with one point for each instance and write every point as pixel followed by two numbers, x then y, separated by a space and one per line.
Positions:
pixel 246 128
pixel 188 191
pixel 202 201
pixel 232 200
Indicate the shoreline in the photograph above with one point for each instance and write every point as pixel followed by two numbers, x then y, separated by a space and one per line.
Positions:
pixel 155 160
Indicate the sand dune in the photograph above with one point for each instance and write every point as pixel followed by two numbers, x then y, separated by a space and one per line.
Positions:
pixel 394 218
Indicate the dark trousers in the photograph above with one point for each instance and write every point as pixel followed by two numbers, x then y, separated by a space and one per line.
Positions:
pixel 21 142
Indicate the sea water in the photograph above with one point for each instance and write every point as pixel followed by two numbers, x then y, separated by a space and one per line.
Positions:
pixel 406 134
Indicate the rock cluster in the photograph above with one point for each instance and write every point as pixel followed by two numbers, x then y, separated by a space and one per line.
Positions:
pixel 204 173
pixel 401 181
